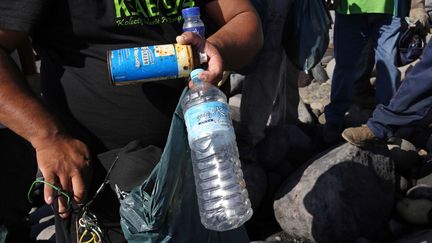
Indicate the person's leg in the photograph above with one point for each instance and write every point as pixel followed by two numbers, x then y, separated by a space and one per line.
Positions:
pixel 351 39
pixel 411 103
pixel 386 31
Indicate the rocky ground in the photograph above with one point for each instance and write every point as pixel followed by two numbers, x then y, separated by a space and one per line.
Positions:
pixel 340 193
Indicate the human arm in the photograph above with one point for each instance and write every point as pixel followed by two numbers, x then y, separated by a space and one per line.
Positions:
pixel 237 41
pixel 62 159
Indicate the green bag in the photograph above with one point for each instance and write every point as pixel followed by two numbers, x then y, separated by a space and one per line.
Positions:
pixel 165 206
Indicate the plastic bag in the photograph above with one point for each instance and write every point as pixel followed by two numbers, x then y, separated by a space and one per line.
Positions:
pixel 164 208
pixel 306 33
pixel 411 42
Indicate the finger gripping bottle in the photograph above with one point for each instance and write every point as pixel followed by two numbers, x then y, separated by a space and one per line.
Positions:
pixel 221 191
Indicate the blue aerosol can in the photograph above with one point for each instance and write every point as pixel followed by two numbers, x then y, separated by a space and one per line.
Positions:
pixel 150 63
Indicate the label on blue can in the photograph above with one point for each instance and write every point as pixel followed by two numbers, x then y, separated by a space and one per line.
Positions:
pixel 149 63
pixel 207 117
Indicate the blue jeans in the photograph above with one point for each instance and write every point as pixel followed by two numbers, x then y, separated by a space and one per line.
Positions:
pixel 412 102
pixel 354 37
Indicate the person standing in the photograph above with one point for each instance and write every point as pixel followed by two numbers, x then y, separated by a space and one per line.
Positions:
pixel 362 26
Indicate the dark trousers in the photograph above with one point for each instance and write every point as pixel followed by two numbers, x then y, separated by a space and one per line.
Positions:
pixel 17 172
pixel 354 36
pixel 411 103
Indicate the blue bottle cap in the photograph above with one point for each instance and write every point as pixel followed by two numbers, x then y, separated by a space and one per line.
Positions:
pixel 195 72
pixel 189 12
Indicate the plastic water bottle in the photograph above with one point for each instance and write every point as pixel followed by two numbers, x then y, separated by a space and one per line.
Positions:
pixel 192 21
pixel 221 191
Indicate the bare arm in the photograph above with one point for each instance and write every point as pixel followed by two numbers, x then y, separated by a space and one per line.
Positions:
pixel 237 41
pixel 240 37
pixel 63 160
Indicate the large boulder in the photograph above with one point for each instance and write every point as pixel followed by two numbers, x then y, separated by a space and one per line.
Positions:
pixel 341 196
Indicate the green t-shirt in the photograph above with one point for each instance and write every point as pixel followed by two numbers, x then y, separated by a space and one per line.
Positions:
pixel 367 6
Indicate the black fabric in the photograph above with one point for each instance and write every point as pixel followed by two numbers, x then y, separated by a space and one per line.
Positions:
pixel 17 172
pixel 72 38
pixel 133 164
pixel 20 15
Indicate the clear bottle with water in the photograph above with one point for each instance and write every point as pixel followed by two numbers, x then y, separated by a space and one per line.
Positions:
pixel 221 191
pixel 192 21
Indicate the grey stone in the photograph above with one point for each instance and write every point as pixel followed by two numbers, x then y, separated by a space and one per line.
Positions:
pixel 256 183
pixel 330 68
pixel 420 191
pixel 304 115
pixel 404 155
pixel 283 237
pixel 423 236
pixel 319 73
pixel 234 104
pixel 427 180
pixel 342 195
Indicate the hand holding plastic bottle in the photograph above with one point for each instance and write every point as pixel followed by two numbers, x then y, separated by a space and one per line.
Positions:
pixel 215 63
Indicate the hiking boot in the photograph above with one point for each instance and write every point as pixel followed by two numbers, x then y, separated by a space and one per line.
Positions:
pixel 359 136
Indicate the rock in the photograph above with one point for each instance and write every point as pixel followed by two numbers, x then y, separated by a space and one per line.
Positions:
pixel 263 223
pixel 345 194
pixel 422 236
pixel 322 119
pixel 330 68
pixel 256 183
pixel 425 180
pixel 396 227
pixel 46 234
pixel 422 172
pixel 414 211
pixel 304 79
pixel 420 191
pixel 404 155
pixel 319 73
pixel 316 92
pixel 304 115
pixel 326 59
pixel 234 103
pixel 282 237
pixel 317 106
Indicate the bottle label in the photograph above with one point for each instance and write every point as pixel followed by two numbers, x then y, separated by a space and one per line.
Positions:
pixel 199 30
pixel 207 117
